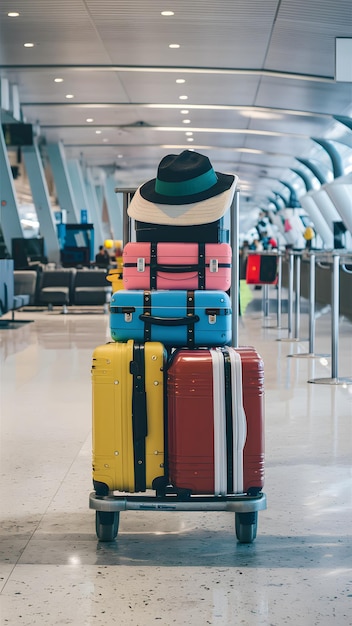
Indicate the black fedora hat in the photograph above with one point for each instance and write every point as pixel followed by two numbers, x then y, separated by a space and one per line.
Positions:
pixel 186 191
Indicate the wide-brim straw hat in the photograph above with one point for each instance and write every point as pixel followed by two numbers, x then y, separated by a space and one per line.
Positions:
pixel 187 191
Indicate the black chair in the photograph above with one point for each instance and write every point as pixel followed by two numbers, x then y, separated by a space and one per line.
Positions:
pixel 91 288
pixel 56 288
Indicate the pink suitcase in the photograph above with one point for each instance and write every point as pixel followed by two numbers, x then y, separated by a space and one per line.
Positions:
pixel 148 265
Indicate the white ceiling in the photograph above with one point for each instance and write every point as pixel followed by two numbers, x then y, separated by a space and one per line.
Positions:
pixel 259 76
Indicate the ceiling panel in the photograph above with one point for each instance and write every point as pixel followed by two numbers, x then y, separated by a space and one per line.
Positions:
pixel 259 76
pixel 303 38
pixel 39 86
pixel 62 32
pixel 210 34
pixel 200 88
pixel 312 96
pixel 59 114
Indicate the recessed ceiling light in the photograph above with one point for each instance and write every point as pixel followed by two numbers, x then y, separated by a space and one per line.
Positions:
pixel 190 139
pixel 189 133
pixel 98 132
pixel 184 111
pixel 58 80
pixel 174 45
pixel 180 81
pixel 186 121
pixel 13 14
pixel 28 45
pixel 183 97
pixel 167 13
pixel 119 156
pixel 69 96
pixel 89 120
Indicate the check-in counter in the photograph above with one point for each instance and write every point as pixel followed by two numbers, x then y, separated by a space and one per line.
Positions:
pixel 323 291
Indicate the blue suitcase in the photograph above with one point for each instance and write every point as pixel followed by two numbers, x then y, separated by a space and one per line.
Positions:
pixel 175 318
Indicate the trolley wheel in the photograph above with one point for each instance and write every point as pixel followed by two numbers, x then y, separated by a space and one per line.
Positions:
pixel 107 525
pixel 246 526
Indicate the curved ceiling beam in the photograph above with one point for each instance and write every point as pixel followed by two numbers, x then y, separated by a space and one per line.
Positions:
pixel 293 201
pixel 335 156
pixel 279 195
pixel 314 169
pixel 151 127
pixel 305 178
pixel 175 69
pixel 167 105
pixel 343 119
pixel 274 201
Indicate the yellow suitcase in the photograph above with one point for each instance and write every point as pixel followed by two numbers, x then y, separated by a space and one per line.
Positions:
pixel 128 415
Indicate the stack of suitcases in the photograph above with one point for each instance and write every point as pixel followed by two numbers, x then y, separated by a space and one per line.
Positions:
pixel 176 408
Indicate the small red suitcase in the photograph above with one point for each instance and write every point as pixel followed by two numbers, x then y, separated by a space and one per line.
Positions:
pixel 177 266
pixel 216 421
pixel 261 269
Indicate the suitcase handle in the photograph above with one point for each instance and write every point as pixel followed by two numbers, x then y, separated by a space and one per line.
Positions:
pixel 174 269
pixel 169 321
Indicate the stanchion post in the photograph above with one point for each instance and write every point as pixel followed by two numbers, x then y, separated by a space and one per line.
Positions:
pixel 311 321
pixel 279 287
pixel 290 293
pixel 311 302
pixel 335 311
pixel 335 289
pixel 266 300
pixel 235 221
pixel 125 221
pixel 298 295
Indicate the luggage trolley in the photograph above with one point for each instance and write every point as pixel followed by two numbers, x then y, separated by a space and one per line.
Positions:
pixel 163 497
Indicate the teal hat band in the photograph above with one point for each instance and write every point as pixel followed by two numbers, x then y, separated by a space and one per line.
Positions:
pixel 187 187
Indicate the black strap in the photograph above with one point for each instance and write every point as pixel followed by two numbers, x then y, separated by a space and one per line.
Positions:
pixel 147 309
pixel 153 264
pixel 189 320
pixel 201 271
pixel 156 267
pixel 229 419
pixel 139 416
pixel 190 311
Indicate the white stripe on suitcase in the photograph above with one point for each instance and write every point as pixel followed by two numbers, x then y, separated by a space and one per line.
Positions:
pixel 239 421
pixel 219 412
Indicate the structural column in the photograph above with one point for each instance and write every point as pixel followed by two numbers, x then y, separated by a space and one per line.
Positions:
pixel 95 212
pixel 9 217
pixel 41 201
pixel 114 207
pixel 62 182
pixel 78 187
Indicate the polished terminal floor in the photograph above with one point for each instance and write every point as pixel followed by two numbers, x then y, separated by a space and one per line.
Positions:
pixel 172 568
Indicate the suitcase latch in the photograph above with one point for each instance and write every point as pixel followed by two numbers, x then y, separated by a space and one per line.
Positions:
pixel 212 313
pixel 128 313
pixel 213 265
pixel 140 264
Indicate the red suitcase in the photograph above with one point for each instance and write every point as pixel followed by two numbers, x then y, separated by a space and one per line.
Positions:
pixel 177 266
pixel 261 269
pixel 216 421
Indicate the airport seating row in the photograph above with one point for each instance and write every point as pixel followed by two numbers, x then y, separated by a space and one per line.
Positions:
pixel 49 288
